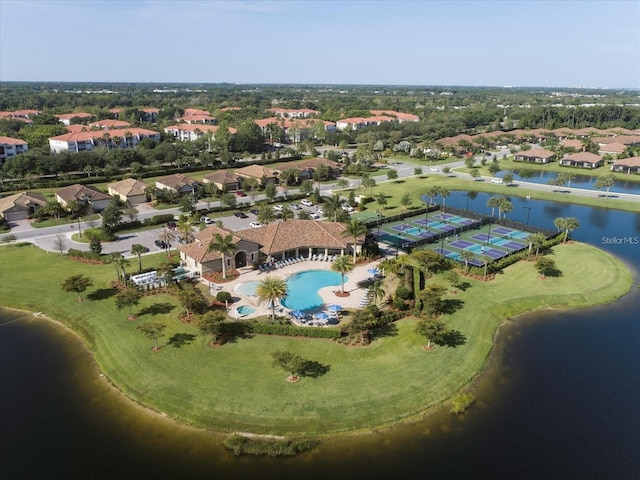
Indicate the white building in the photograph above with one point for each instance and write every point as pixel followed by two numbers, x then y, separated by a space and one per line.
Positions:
pixel 190 132
pixel 10 147
pixel 87 141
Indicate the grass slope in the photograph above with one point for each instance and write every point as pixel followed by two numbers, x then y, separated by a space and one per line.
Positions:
pixel 234 387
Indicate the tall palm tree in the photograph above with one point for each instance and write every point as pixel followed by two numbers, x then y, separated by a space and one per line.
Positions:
pixel 266 214
pixel 504 206
pixel 271 290
pixel 493 202
pixel 466 257
pixel 331 206
pixel 432 193
pixel 354 228
pixel 444 193
pixel 377 291
pixel 120 262
pixel 342 265
pixel 137 249
pixel 167 236
pixel 224 246
pixel 536 240
pixel 568 224
pixel 286 214
pixel 184 228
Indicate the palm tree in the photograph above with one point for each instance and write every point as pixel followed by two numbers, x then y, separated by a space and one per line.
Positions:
pixel 444 193
pixel 381 200
pixel 167 236
pixel 342 265
pixel 120 263
pixel 354 228
pixel 266 214
pixel 493 202
pixel 185 230
pixel 466 256
pixel 376 290
pixel 432 193
pixel 568 224
pixel 504 206
pixel 224 246
pixel 286 214
pixel 270 290
pixel 137 249
pixel 536 240
pixel 331 206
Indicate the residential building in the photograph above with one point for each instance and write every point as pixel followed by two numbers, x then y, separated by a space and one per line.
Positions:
pixel 295 130
pixel 294 112
pixel 627 165
pixel 583 160
pixel 356 123
pixel 109 124
pixel 224 180
pixel 178 182
pixel 401 117
pixel 263 174
pixel 193 131
pixel 66 118
pixel 536 155
pixel 309 166
pixel 10 147
pixel 129 190
pixel 86 195
pixel 88 140
pixel 20 205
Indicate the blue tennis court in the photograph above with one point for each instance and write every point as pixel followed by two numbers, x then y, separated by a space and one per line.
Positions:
pixel 508 232
pixel 510 244
pixel 461 220
pixel 489 252
pixel 401 227
pixel 481 237
pixel 462 244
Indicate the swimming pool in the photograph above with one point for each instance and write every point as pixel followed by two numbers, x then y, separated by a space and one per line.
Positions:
pixel 303 288
pixel 245 310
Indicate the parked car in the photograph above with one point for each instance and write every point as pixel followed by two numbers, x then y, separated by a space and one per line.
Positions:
pixel 278 208
pixel 295 206
pixel 307 203
pixel 487 154
pixel 240 193
pixel 171 225
pixel 314 216
pixel 206 220
pixel 320 212
pixel 241 215
pixel 254 211
pixel 497 180
pixel 347 208
pixel 434 169
pixel 255 224
pixel 161 244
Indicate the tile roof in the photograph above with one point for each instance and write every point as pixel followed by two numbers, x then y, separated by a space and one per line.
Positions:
pixel 12 141
pixel 195 111
pixel 198 250
pixel 256 171
pixel 177 180
pixel 110 124
pixel 98 134
pixel 573 143
pixel 129 187
pixel 23 199
pixel 281 236
pixel 192 127
pixel 69 116
pixel 222 177
pixel 613 148
pixel 586 157
pixel 536 153
pixel 230 109
pixel 628 162
pixel 399 115
pixel 81 192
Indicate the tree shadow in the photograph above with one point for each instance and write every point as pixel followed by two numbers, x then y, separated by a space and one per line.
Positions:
pixel 451 305
pixel 180 339
pixel 464 286
pixel 453 338
pixel 157 309
pixel 313 369
pixel 102 294
pixel 389 330
pixel 553 272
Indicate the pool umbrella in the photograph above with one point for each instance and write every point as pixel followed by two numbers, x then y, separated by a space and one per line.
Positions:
pixel 334 308
pixel 298 314
pixel 373 271
pixel 322 316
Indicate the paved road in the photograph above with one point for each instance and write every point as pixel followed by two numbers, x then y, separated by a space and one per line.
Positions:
pixel 46 238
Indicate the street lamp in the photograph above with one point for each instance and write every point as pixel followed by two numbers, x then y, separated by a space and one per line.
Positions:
pixel 528 213
pixel 79 228
pixel 489 234
pixel 379 220
pixel 466 208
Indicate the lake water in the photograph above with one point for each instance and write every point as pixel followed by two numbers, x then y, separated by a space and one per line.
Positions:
pixel 559 400
pixel 587 182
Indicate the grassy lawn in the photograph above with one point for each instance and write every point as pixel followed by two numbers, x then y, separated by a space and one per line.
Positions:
pixel 234 387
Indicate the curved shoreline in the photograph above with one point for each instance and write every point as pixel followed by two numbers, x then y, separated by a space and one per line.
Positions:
pixel 421 414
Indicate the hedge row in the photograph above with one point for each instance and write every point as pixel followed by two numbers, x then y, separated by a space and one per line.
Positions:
pixel 294 331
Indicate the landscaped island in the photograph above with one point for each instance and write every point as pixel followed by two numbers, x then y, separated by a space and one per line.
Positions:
pixel 236 388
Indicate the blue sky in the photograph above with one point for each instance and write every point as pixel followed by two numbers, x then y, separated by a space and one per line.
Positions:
pixel 489 43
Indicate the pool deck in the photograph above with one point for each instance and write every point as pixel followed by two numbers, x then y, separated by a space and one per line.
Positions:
pixel 326 293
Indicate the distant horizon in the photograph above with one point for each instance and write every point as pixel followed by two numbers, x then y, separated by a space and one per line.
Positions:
pixel 125 82
pixel 527 43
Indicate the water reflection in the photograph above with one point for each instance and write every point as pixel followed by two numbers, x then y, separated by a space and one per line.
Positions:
pixel 622 185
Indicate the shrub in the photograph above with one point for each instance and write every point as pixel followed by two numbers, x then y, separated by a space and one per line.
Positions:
pixel 462 401
pixel 223 296
pixel 159 219
pixel 274 447
pixel 403 292
pixel 399 304
pixel 294 331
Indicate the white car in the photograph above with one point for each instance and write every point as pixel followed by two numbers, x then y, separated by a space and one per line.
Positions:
pixel 496 180
pixel 255 224
pixel 320 212
pixel 206 220
pixel 277 208
pixel 307 203
pixel 314 216
pixel 347 208
pixel 295 206
pixel 434 169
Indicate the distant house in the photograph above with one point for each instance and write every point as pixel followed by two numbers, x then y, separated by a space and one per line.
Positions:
pixel 10 147
pixel 627 165
pixel 66 118
pixel 86 195
pixel 258 172
pixel 193 131
pixel 149 115
pixel 402 117
pixel 309 166
pixel 572 143
pixel 536 155
pixel 178 182
pixel 109 124
pixel 197 256
pixel 224 180
pixel 613 149
pixel 583 160
pixel 356 123
pixel 24 116
pixel 295 130
pixel 20 205
pixel 294 112
pixel 129 190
